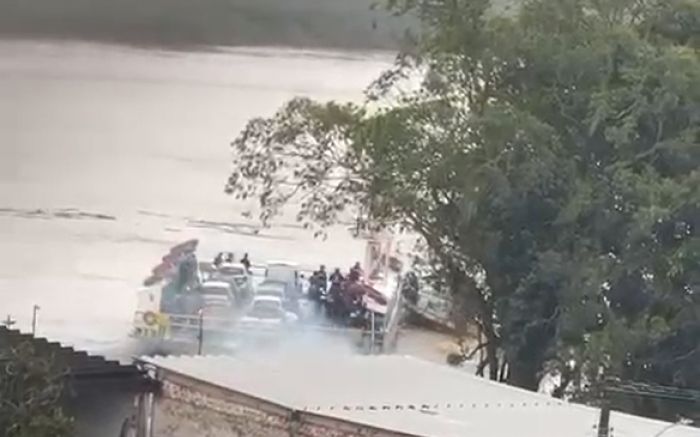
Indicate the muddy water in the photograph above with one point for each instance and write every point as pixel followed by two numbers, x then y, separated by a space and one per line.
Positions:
pixel 109 155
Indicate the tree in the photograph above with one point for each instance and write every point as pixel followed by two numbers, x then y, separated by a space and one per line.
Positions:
pixel 549 159
pixel 30 393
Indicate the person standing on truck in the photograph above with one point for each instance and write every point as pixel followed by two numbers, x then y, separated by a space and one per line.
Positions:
pixel 322 278
pixel 336 279
pixel 317 288
pixel 218 259
pixel 335 292
pixel 355 273
pixel 246 262
pixel 314 290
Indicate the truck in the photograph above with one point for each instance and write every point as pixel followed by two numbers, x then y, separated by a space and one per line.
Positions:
pixel 285 276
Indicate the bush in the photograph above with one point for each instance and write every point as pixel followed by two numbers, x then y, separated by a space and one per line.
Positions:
pixel 31 388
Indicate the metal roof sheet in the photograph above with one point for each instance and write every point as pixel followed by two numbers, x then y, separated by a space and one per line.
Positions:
pixel 85 370
pixel 407 394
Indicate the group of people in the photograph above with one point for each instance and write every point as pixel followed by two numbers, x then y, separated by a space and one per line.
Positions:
pixel 229 257
pixel 338 296
pixel 333 294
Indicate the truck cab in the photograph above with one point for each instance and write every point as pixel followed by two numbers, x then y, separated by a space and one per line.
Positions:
pixel 238 276
pixel 286 276
pixel 283 271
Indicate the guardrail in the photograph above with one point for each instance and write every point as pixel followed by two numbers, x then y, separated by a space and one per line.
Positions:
pixel 393 318
pixel 379 337
pixel 258 269
pixel 170 325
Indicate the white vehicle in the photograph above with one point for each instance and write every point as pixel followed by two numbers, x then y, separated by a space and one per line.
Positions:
pixel 268 311
pixel 274 289
pixel 231 269
pixel 217 298
pixel 237 275
pixel 148 298
pixel 286 273
pixel 282 271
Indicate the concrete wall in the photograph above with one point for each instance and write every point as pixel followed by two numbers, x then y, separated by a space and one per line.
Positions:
pixel 187 409
pixel 183 412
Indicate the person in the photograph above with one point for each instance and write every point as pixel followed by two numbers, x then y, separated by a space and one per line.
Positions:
pixel 355 273
pixel 246 262
pixel 335 294
pixel 336 278
pixel 229 257
pixel 313 285
pixel 352 302
pixel 409 288
pixel 322 278
pixel 315 294
pixel 219 259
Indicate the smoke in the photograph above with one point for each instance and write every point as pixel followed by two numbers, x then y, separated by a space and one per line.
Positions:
pixel 305 342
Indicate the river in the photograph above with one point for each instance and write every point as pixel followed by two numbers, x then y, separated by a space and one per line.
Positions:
pixel 109 155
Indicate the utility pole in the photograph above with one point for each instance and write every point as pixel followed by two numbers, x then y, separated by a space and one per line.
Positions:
pixel 372 334
pixel 604 420
pixel 35 309
pixel 200 335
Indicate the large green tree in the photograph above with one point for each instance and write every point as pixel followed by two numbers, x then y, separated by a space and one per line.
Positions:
pixel 31 388
pixel 548 156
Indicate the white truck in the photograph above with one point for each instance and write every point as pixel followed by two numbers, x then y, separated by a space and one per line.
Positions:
pixel 287 277
pixel 268 312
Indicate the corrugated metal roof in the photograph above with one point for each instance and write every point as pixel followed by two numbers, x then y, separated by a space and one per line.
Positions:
pixel 409 395
pixel 84 370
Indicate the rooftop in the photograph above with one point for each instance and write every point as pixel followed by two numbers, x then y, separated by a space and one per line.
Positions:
pixel 408 395
pixel 86 371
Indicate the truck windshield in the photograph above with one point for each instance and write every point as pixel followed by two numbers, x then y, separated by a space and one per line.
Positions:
pixel 281 273
pixel 275 292
pixel 231 271
pixel 218 291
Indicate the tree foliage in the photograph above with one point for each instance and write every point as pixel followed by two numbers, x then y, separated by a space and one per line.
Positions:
pixel 30 392
pixel 548 157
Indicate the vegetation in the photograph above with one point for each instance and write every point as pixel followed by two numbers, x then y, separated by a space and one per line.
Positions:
pixel 30 392
pixel 308 23
pixel 549 159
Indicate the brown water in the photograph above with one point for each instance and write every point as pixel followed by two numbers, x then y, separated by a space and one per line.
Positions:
pixel 109 155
